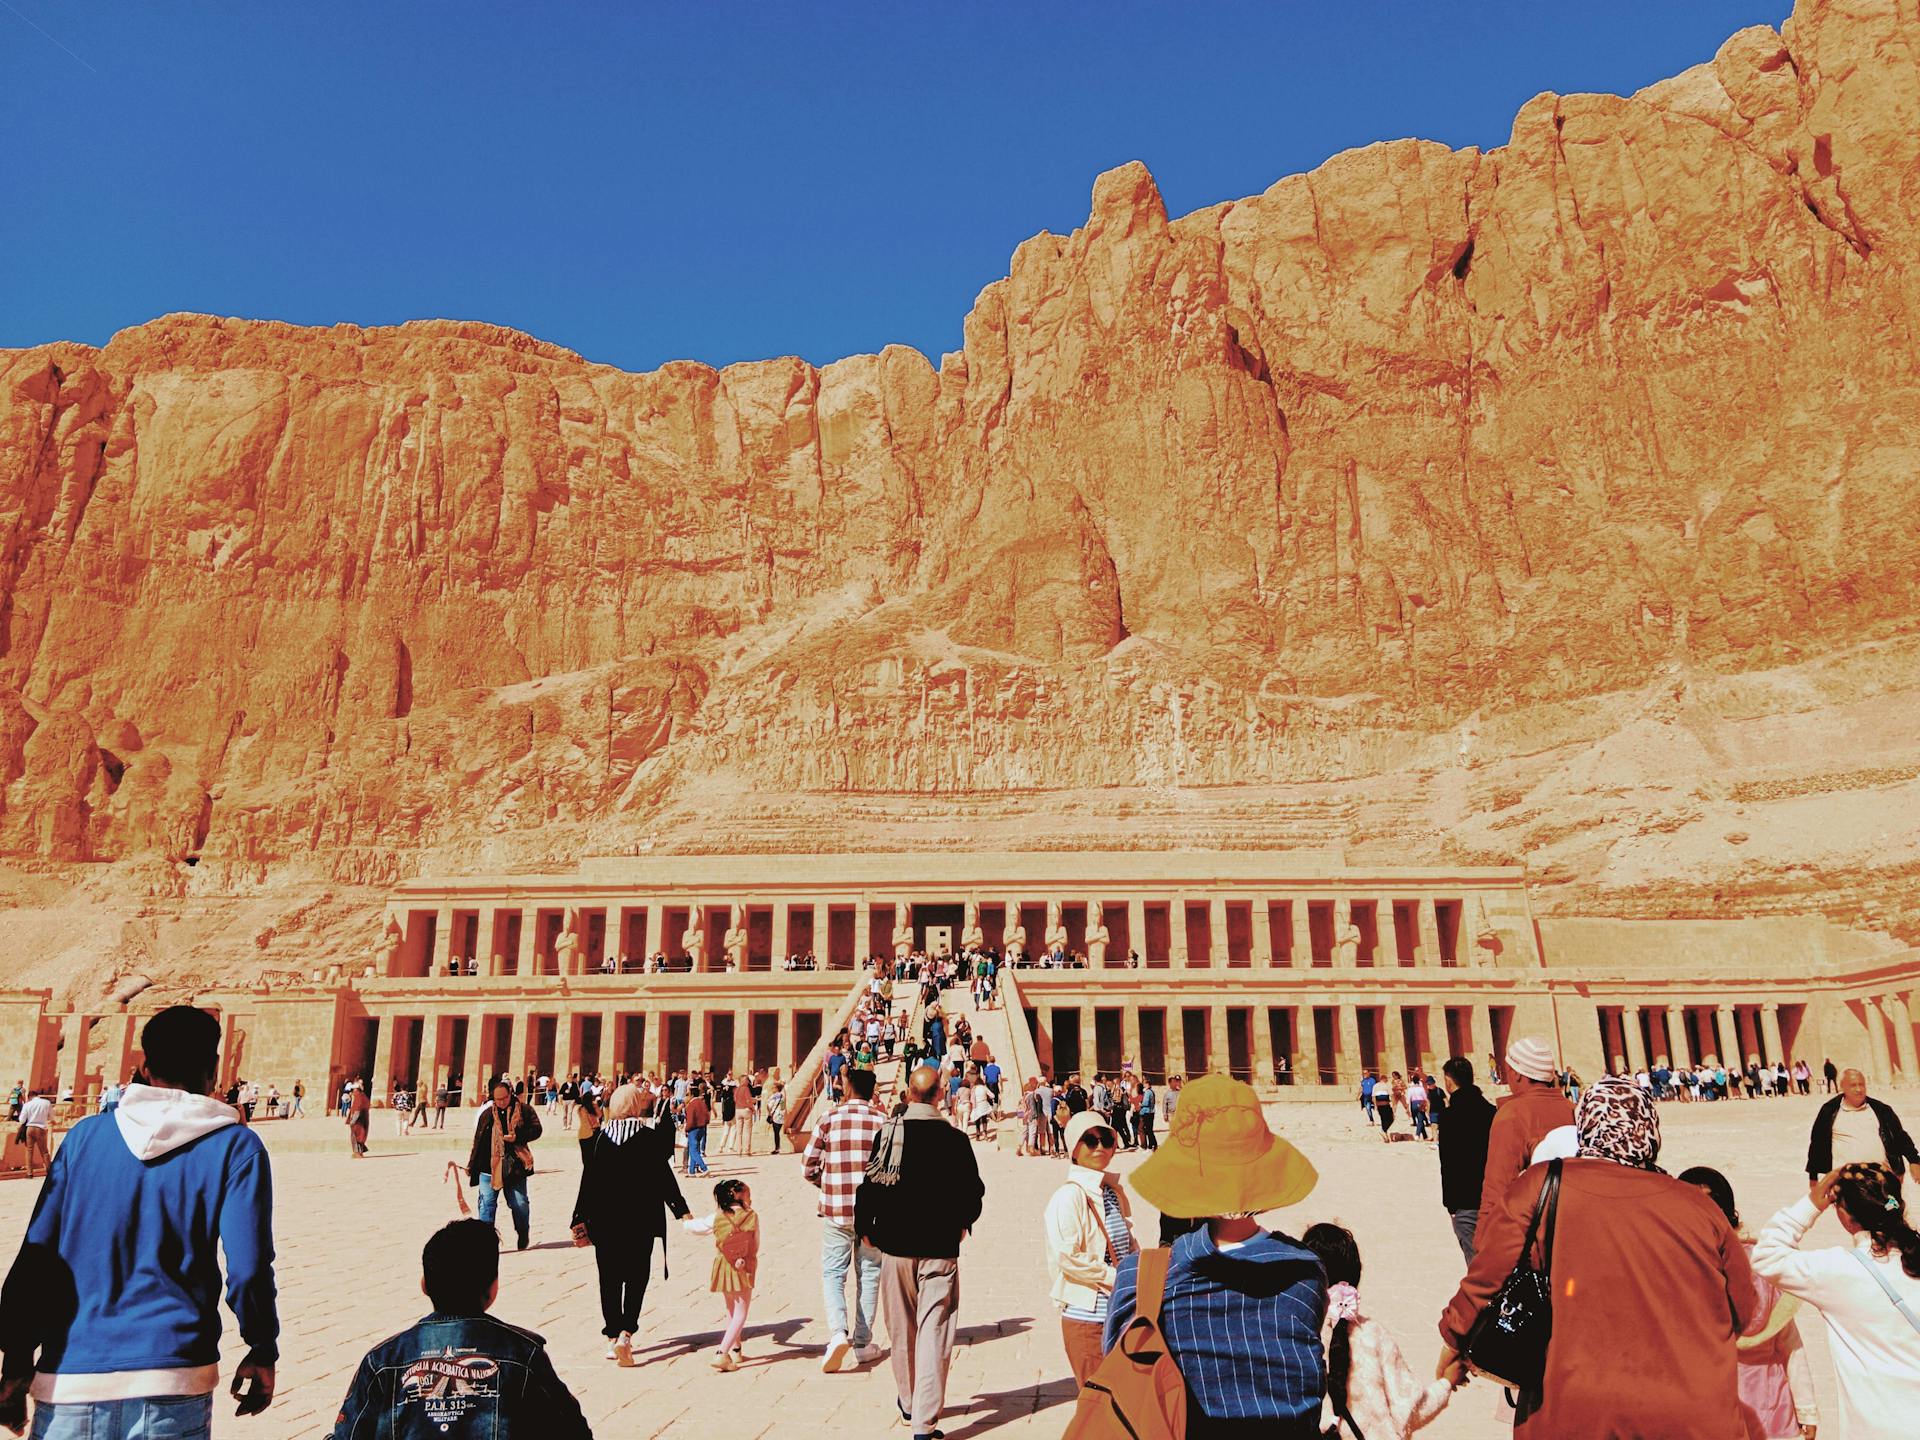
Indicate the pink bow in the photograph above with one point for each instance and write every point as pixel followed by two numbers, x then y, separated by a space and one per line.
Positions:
pixel 1343 1302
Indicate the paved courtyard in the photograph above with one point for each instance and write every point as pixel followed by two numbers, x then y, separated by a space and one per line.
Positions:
pixel 350 1235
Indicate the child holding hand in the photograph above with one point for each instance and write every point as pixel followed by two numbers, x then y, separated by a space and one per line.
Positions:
pixel 735 1228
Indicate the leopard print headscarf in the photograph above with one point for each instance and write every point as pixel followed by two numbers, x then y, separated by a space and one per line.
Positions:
pixel 1617 1121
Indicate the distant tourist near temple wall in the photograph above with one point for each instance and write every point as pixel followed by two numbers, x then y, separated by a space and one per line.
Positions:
pixel 1283 968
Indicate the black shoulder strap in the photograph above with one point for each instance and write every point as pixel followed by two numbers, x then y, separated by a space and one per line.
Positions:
pixel 1551 1199
pixel 1549 1192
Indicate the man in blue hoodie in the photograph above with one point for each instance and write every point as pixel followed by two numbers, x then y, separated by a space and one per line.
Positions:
pixel 110 1316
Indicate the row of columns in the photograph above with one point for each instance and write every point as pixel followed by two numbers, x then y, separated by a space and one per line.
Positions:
pixel 1426 939
pixel 1432 1041
pixel 438 1059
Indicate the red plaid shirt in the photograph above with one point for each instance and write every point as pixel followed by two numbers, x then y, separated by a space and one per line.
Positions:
pixel 836 1158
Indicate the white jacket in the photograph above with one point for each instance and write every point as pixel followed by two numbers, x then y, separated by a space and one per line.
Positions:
pixel 1077 1237
pixel 1876 1352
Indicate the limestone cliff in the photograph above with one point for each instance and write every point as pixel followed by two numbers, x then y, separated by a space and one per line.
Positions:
pixel 1553 502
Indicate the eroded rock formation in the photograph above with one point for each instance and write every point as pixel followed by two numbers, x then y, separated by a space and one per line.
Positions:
pixel 1550 502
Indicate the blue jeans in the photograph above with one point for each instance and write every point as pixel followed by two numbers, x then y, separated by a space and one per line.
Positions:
pixel 697 1150
pixel 515 1194
pixel 1465 1222
pixel 169 1417
pixel 837 1251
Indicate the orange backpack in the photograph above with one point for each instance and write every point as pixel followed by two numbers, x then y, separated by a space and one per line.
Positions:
pixel 1137 1393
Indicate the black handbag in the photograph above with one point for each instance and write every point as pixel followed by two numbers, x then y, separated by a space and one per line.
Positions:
pixel 1508 1342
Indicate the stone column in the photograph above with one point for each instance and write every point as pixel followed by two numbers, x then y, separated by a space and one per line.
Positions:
pixel 784 1059
pixel 1637 1058
pixel 469 1057
pixel 822 915
pixel 1386 950
pixel 1216 933
pixel 610 1041
pixel 443 947
pixel 1483 1036
pixel 1177 932
pixel 380 1082
pixel 1428 923
pixel 1130 1036
pixel 529 937
pixel 696 1038
pixel 1260 921
pixel 1176 1042
pixel 1678 1053
pixel 485 947
pixel 1729 1039
pixel 1346 1064
pixel 862 934
pixel 1877 1042
pixel 1342 918
pixel 563 1027
pixel 742 1039
pixel 1302 921
pixel 1219 1056
pixel 655 1043
pixel 1770 1032
pixel 1261 1025
pixel 522 1045
pixel 1430 1035
pixel 781 907
pixel 1089 1056
pixel 1902 1018
pixel 1137 937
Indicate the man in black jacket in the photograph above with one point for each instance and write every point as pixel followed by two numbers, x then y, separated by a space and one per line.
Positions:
pixel 1852 1128
pixel 922 1196
pixel 1464 1125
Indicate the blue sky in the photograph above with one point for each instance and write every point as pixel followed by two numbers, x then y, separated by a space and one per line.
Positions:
pixel 644 181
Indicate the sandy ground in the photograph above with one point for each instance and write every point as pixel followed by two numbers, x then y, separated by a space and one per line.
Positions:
pixel 349 1237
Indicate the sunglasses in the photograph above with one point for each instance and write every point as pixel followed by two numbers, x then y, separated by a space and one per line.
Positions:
pixel 1101 1139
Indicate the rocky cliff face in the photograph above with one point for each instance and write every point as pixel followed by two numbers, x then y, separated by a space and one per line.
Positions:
pixel 1553 502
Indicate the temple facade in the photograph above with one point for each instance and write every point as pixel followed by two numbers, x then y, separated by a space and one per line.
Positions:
pixel 1294 970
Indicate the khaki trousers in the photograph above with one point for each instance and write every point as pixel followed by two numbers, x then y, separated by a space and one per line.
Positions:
pixel 920 1301
pixel 1085 1348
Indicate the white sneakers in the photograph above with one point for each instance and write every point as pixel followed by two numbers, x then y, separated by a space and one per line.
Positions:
pixel 837 1349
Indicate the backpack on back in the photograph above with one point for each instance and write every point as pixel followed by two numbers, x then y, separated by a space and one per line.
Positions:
pixel 1137 1392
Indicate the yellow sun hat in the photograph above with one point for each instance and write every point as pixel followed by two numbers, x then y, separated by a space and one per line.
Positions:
pixel 1219 1158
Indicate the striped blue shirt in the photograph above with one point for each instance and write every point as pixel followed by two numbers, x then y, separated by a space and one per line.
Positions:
pixel 1243 1324
pixel 1121 1239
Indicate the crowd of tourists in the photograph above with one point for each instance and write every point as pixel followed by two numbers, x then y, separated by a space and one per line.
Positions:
pixel 1604 1296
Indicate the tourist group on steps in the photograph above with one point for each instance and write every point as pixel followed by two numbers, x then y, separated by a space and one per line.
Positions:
pixel 1599 1295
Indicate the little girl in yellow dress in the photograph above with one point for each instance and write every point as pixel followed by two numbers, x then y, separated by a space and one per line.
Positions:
pixel 736 1239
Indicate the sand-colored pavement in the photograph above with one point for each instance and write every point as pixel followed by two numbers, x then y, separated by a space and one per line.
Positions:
pixel 349 1236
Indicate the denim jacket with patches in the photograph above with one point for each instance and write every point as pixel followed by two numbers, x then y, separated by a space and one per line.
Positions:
pixel 459 1377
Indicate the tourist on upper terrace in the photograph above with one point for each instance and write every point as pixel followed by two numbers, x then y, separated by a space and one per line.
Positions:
pixel 1088 1233
pixel 626 1188
pixel 1853 1128
pixel 1651 1287
pixel 110 1316
pixel 1867 1292
pixel 921 1196
pixel 1774 1380
pixel 1521 1121
pixel 460 1374
pixel 500 1161
pixel 835 1161
pixel 1242 1305
pixel 1464 1126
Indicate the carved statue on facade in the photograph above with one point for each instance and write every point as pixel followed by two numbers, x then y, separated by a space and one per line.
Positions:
pixel 1056 929
pixel 387 953
pixel 903 937
pixel 1016 937
pixel 694 942
pixel 1485 936
pixel 972 936
pixel 1346 949
pixel 566 942
pixel 736 939
pixel 1098 937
